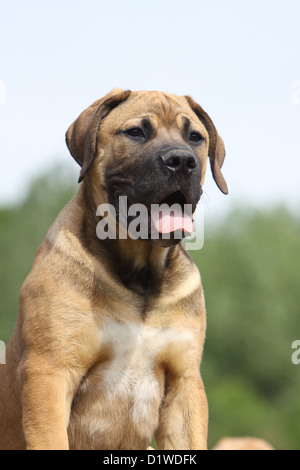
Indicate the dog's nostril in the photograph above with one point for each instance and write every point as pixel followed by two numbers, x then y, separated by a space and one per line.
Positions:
pixel 191 163
pixel 173 162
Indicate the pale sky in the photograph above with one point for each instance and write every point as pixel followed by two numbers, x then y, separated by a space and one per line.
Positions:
pixel 239 59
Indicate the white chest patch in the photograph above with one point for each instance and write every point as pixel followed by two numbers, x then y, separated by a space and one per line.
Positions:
pixel 129 375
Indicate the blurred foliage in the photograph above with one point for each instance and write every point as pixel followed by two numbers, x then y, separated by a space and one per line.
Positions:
pixel 22 229
pixel 250 272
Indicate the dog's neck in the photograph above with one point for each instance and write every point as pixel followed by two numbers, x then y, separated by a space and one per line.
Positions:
pixel 140 265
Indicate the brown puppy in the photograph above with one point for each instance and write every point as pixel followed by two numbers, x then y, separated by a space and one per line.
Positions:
pixel 108 342
pixel 242 443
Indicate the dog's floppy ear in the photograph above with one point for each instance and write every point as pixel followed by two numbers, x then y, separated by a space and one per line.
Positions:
pixel 216 151
pixel 81 137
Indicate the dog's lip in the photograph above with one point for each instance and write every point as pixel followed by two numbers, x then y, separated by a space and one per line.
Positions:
pixel 174 197
pixel 169 197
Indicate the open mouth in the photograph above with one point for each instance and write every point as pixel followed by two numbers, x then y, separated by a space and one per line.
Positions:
pixel 170 218
pixel 175 198
pixel 172 214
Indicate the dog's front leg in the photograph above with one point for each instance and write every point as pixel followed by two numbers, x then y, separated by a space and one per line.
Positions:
pixel 183 415
pixel 46 401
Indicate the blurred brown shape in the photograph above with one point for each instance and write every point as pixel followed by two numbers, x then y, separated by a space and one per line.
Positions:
pixel 242 443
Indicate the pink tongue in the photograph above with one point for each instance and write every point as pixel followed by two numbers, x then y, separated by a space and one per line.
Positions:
pixel 166 221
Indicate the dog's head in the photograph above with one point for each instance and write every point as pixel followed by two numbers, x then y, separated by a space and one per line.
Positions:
pixel 151 147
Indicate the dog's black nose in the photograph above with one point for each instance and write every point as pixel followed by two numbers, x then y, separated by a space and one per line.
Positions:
pixel 180 162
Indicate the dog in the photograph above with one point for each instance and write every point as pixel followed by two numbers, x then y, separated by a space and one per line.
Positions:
pixel 243 443
pixel 107 346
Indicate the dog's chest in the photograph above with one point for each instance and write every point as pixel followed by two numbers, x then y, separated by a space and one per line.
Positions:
pixel 124 392
pixel 135 349
pixel 133 352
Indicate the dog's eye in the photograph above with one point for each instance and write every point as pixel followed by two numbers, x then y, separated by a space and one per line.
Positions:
pixel 196 137
pixel 135 132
